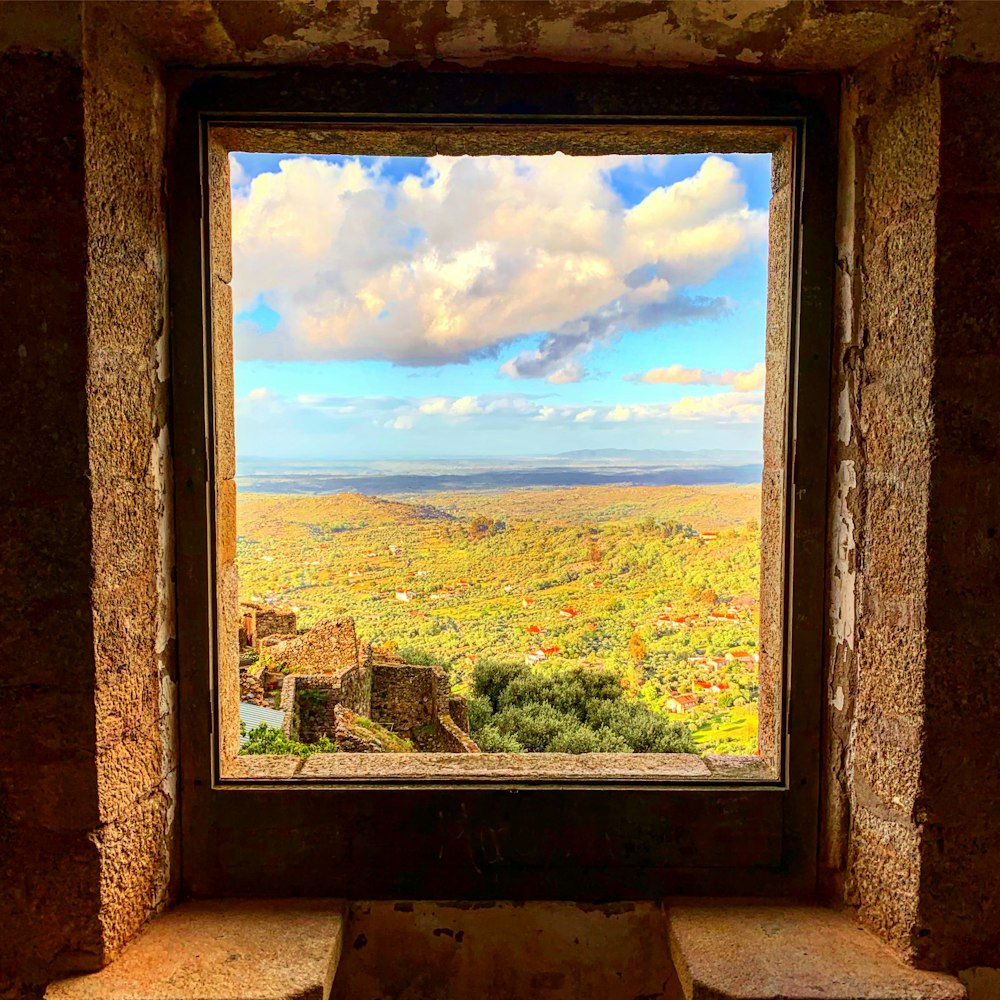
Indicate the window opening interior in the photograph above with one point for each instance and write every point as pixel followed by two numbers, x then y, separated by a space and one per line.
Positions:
pixel 499 442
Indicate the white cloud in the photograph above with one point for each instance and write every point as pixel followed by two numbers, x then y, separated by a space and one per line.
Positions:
pixel 259 393
pixel 570 372
pixel 237 175
pixel 482 417
pixel 723 406
pixel 473 256
pixel 750 380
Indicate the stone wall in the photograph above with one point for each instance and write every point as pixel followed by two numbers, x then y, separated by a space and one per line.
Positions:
pixel 87 763
pixel 87 758
pixel 414 702
pixel 959 914
pixel 131 485
pixel 309 701
pixel 772 516
pixel 882 477
pixel 330 645
pixel 262 620
pixel 528 951
pixel 49 867
pixel 913 666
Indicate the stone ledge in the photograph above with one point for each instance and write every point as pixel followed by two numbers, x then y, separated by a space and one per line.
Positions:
pixel 755 951
pixel 224 950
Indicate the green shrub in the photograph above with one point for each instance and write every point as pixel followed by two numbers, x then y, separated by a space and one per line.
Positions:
pixel 480 711
pixel 489 739
pixel 490 679
pixel 534 725
pixel 566 710
pixel 643 730
pixel 574 739
pixel 265 739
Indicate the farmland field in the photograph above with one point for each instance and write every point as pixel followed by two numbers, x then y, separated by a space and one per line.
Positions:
pixel 585 575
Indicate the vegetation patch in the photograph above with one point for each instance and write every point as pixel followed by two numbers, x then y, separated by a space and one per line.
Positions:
pixel 389 740
pixel 516 708
pixel 265 739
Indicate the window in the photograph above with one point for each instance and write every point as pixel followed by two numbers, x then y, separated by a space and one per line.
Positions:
pixel 498 434
pixel 457 824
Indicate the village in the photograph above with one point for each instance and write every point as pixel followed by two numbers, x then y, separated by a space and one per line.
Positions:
pixel 738 613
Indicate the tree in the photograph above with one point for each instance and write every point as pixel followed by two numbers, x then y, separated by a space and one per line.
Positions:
pixel 637 648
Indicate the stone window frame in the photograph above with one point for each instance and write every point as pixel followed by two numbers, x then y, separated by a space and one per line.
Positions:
pixel 640 824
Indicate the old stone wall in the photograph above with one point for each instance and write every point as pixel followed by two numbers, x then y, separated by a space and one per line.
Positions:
pixel 914 505
pixel 458 709
pixel 881 475
pixel 533 951
pixel 87 769
pixel 131 485
pixel 959 913
pixel 772 516
pixel 265 620
pixel 86 756
pixel 309 701
pixel 49 867
pixel 403 696
pixel 414 701
pixel 330 645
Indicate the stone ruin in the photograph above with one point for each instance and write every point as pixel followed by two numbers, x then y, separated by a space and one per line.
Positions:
pixel 328 679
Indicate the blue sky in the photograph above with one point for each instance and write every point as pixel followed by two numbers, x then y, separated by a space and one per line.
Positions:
pixel 467 307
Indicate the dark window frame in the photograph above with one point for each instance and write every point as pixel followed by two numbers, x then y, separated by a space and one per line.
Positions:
pixel 503 839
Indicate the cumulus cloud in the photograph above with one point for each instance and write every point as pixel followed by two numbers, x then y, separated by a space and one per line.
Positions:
pixel 750 380
pixel 474 255
pixel 722 406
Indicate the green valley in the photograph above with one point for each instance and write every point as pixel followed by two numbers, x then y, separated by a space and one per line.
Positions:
pixel 653 586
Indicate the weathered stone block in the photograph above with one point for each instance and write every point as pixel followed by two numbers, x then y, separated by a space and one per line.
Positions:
pixel 224 950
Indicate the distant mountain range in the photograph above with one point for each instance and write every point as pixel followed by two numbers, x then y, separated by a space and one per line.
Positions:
pixel 592 467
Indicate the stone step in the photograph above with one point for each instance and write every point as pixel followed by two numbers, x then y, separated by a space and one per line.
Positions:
pixel 751 951
pixel 223 950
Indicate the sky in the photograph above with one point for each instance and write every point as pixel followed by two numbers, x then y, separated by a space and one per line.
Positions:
pixel 463 307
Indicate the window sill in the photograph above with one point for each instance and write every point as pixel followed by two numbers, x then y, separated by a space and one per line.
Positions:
pixel 760 951
pixel 224 950
pixel 552 768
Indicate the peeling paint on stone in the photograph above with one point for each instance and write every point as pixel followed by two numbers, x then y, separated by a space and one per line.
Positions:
pixel 845 572
pixel 844 416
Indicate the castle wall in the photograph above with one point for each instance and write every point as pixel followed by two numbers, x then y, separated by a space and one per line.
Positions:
pixel 266 620
pixel 309 701
pixel 330 645
pixel 414 702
